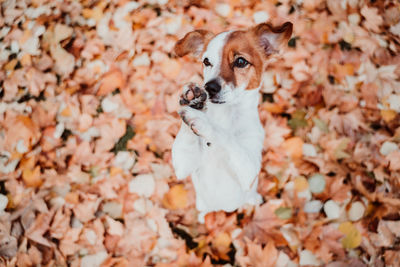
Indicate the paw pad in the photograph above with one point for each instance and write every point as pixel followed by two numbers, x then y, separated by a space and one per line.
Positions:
pixel 193 96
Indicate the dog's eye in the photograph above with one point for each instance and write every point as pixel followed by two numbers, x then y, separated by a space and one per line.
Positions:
pixel 206 62
pixel 240 62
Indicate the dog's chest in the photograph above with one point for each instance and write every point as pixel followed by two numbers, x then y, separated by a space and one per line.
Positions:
pixel 225 117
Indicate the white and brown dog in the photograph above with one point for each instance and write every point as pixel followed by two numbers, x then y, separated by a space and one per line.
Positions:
pixel 221 138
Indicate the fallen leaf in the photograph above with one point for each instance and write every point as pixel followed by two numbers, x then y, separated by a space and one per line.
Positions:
pixel 293 147
pixel 111 81
pixel 222 244
pixel 388 115
pixel 170 68
pixel 352 238
pixel 32 177
pixel 176 198
pixel 284 213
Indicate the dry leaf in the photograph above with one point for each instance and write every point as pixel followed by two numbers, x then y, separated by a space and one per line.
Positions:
pixel 32 177
pixel 176 198
pixel 111 81
pixel 293 147
pixel 352 238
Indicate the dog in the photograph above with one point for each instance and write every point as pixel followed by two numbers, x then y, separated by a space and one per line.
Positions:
pixel 221 137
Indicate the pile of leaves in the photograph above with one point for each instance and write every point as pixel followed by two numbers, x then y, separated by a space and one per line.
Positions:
pixel 88 114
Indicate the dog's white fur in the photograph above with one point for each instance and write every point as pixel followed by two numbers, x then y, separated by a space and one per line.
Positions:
pixel 224 158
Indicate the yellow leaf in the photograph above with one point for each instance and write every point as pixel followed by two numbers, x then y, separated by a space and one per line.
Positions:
pixel 340 149
pixel 300 184
pixel 114 171
pixel 222 240
pixel 66 112
pixel 11 64
pixel 388 114
pixel 32 177
pixel 176 198
pixel 221 243
pixel 294 147
pixel 352 238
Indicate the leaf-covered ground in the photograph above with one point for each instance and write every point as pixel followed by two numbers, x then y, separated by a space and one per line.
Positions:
pixel 88 113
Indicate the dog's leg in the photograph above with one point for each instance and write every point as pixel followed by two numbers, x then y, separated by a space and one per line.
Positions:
pixel 242 153
pixel 186 148
pixel 185 152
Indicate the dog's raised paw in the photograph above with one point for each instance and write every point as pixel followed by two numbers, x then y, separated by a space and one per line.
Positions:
pixel 196 120
pixel 193 96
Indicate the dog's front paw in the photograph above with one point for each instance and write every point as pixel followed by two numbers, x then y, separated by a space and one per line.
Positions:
pixel 193 96
pixel 196 120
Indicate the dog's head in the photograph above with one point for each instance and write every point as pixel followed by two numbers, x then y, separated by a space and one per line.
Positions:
pixel 233 61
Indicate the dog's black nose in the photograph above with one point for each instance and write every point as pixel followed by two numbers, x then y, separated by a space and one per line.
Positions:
pixel 213 87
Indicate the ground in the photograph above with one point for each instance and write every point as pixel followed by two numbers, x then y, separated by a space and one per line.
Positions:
pixel 88 114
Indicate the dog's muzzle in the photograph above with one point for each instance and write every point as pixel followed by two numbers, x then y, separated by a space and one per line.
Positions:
pixel 213 87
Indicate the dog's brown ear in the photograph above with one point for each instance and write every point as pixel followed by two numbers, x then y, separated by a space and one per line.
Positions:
pixel 194 42
pixel 271 38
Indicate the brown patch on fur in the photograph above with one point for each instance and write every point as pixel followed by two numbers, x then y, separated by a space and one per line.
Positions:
pixel 194 42
pixel 240 44
pixel 254 45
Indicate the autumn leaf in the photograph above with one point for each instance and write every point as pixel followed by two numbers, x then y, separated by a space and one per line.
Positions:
pixel 222 244
pixel 265 257
pixel 88 116
pixel 112 80
pixel 294 147
pixel 170 68
pixel 297 120
pixel 340 149
pixel 388 115
pixel 32 177
pixel 321 124
pixel 352 238
pixel 300 184
pixel 284 213
pixel 176 198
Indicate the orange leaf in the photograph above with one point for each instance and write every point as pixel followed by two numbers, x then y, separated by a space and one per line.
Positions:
pixel 26 60
pixel 11 64
pixel 32 177
pixel 221 243
pixel 27 163
pixel 72 198
pixel 66 112
pixel 111 81
pixel 344 70
pixel 293 147
pixel 388 114
pixel 171 68
pixel 300 184
pixel 114 171
pixel 176 198
pixel 272 107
